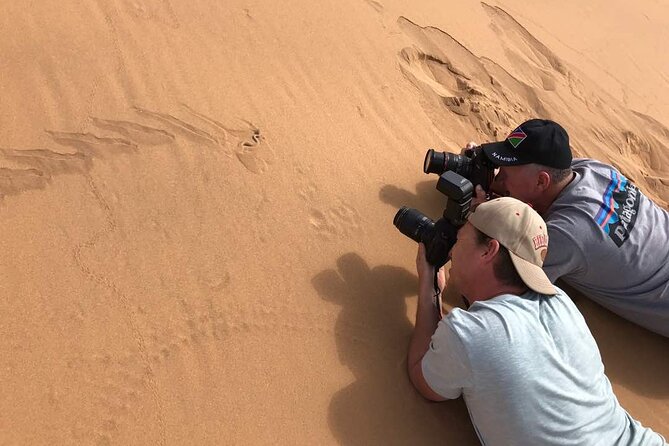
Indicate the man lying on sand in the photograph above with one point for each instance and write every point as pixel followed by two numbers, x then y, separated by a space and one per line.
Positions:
pixel 608 240
pixel 521 355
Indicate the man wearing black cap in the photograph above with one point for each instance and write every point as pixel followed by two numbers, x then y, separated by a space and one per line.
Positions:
pixel 607 239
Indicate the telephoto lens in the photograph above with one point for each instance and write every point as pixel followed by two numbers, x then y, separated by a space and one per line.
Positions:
pixel 435 162
pixel 414 224
pixel 440 162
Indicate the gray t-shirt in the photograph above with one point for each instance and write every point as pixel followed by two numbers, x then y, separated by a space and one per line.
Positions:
pixel 530 373
pixel 611 242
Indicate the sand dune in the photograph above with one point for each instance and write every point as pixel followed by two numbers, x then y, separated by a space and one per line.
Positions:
pixel 197 202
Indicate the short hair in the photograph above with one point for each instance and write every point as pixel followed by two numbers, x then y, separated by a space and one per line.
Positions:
pixel 504 269
pixel 555 174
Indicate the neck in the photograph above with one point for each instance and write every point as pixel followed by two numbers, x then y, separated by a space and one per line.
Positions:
pixel 544 203
pixel 495 290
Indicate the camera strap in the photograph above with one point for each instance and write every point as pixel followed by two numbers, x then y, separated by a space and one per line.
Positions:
pixel 436 299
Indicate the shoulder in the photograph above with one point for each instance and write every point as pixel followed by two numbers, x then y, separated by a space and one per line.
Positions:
pixel 484 319
pixel 576 208
pixel 594 181
pixel 506 312
pixel 495 330
pixel 592 174
pixel 580 164
pixel 565 228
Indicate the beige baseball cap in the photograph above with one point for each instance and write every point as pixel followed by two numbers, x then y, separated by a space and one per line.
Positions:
pixel 521 230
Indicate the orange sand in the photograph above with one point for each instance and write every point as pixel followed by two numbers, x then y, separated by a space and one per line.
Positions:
pixel 197 203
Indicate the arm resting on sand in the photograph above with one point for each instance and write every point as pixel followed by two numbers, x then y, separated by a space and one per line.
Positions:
pixel 427 317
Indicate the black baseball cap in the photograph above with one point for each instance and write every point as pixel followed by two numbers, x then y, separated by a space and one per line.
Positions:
pixel 539 141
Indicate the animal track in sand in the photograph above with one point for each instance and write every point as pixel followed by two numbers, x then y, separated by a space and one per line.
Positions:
pixel 115 382
pixel 308 191
pixel 246 143
pixel 329 222
pixel 210 322
pixel 88 144
pixel 248 153
pixel 42 166
pixel 339 220
pixel 23 170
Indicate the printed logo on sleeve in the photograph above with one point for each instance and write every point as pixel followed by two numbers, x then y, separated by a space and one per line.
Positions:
pixel 620 205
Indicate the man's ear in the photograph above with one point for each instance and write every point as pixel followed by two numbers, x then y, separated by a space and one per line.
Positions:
pixel 543 180
pixel 492 248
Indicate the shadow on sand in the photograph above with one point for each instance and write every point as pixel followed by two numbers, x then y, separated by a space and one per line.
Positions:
pixel 372 334
pixel 427 198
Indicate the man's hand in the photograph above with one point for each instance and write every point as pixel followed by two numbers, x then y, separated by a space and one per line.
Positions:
pixel 423 268
pixel 470 145
pixel 441 279
pixel 479 193
pixel 479 196
pixel 426 272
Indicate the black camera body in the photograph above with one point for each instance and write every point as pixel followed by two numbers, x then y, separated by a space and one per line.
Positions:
pixel 473 165
pixel 439 236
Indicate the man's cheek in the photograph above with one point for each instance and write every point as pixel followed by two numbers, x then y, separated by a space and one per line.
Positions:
pixel 497 187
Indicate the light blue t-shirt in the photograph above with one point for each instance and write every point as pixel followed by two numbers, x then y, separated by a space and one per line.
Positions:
pixel 611 242
pixel 530 373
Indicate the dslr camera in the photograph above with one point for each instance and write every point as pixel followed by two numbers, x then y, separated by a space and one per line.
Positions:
pixel 473 165
pixel 457 176
pixel 439 236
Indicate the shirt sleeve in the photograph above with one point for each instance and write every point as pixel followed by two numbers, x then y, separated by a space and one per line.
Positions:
pixel 564 257
pixel 445 366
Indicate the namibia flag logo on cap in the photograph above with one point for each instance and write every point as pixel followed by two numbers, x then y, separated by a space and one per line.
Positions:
pixel 516 137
